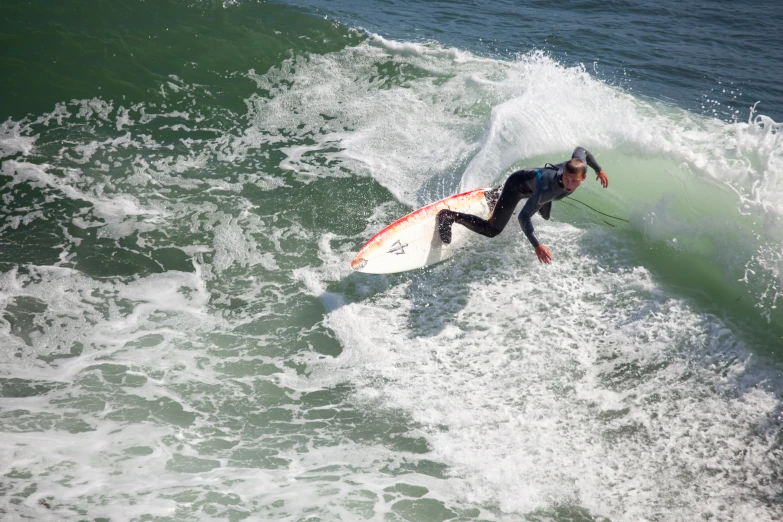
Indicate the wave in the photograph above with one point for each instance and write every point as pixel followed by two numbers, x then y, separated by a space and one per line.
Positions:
pixel 195 237
pixel 424 121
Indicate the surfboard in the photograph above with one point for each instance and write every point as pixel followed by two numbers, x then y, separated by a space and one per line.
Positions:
pixel 413 241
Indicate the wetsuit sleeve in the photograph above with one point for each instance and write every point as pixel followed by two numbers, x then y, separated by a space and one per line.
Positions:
pixel 584 155
pixel 529 210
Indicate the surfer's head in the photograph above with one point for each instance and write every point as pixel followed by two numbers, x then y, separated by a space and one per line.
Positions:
pixel 574 174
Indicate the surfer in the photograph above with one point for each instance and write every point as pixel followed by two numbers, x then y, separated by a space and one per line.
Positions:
pixel 540 186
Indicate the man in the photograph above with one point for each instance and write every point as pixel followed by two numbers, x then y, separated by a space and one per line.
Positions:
pixel 540 186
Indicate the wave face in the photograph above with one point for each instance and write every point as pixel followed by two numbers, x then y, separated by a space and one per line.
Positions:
pixel 182 338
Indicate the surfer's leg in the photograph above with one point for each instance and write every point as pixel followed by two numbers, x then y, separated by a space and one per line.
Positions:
pixel 513 192
pixel 448 217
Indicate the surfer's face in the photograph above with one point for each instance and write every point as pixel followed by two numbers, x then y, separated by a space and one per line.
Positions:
pixel 572 181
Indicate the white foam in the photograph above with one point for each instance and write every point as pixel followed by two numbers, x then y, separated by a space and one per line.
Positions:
pixel 401 135
pixel 13 141
pixel 527 387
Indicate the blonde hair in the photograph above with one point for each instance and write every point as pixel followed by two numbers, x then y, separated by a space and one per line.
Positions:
pixel 575 166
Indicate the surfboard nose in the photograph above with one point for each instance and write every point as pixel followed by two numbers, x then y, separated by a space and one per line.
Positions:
pixel 358 263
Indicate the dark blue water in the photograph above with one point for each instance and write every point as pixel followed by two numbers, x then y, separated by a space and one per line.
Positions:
pixel 712 57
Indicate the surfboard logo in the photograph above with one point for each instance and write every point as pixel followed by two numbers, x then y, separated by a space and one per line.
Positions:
pixel 398 248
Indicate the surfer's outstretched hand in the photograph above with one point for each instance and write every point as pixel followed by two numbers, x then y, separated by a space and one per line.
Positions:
pixel 603 177
pixel 544 255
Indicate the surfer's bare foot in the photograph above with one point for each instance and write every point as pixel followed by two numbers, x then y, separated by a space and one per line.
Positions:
pixel 445 219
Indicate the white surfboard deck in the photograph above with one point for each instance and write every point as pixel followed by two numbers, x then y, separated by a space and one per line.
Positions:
pixel 413 240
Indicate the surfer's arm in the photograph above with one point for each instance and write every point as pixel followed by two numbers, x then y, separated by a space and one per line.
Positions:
pixel 585 155
pixel 532 205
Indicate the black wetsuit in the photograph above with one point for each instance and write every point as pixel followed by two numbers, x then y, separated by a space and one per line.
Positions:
pixel 540 186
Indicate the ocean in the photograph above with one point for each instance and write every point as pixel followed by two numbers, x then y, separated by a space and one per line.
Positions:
pixel 184 185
